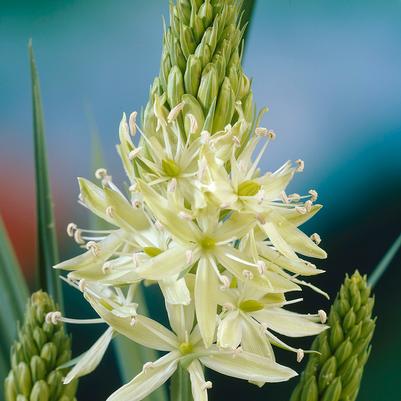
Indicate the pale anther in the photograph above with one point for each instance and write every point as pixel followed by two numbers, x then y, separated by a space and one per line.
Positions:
pixel 134 153
pixel 271 135
pixel 174 112
pixel 261 265
pixel 247 274
pixel 78 238
pixel 301 209
pixel 316 238
pixel 71 228
pixel 100 173
pixel 193 123
pixel 172 185
pixel 205 136
pixel 132 123
pixel 313 195
pixel 322 315
pixel 308 205
pixel 110 211
pixel 93 247
pixel 300 165
pixel 236 141
pixel 300 354
pixel 207 385
pixel 185 216
pixel 294 197
pixel 53 317
pixel 261 131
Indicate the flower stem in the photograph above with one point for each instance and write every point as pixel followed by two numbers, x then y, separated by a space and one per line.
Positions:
pixel 180 389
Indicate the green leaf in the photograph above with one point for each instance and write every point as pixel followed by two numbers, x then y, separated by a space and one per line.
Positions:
pixel 48 279
pixel 384 263
pixel 13 295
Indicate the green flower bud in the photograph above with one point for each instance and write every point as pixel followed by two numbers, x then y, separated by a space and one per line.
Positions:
pixel 192 75
pixel 40 392
pixel 310 391
pixel 175 87
pixel 248 188
pixel 192 106
pixel 206 13
pixel 224 107
pixel 208 88
pixel 344 348
pixel 187 40
pixel 35 357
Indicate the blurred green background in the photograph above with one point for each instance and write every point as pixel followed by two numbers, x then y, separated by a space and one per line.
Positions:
pixel 330 74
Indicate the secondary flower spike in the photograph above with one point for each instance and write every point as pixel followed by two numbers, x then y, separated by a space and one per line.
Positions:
pixel 200 219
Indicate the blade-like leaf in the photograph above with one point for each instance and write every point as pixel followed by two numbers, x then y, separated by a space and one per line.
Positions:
pixel 130 356
pixel 13 295
pixel 385 262
pixel 48 279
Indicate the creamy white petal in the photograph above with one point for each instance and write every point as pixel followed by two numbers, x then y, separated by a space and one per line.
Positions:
pixel 167 264
pixel 144 331
pixel 152 376
pixel 229 332
pixel 91 359
pixel 175 291
pixel 288 323
pixel 206 284
pixel 247 366
pixel 199 391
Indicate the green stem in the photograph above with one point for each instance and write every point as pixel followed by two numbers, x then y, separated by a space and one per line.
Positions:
pixel 180 389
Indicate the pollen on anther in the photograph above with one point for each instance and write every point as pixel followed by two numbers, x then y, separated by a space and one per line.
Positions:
pixel 313 195
pixel 207 385
pixel 71 228
pixel 174 112
pixel 78 238
pixel 100 173
pixel 134 153
pixel 300 165
pixel 322 315
pixel 316 238
pixel 93 247
pixel 300 354
pixel 110 211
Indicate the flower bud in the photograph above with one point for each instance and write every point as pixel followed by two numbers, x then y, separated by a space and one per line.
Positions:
pixel 333 392
pixel 224 107
pixel 187 40
pixel 40 392
pixel 192 75
pixel 175 87
pixel 208 88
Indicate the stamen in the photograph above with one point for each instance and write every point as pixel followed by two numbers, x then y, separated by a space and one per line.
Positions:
pixel 236 141
pixel 271 135
pixel 53 317
pixel 313 195
pixel 132 123
pixel 174 112
pixel 134 153
pixel 205 136
pixel 110 211
pixel 300 354
pixel 147 366
pixel 247 274
pixel 316 238
pixel 93 247
pixel 225 281
pixel 78 237
pixel 300 209
pixel 71 227
pixel 136 203
pixel 308 205
pixel 322 315
pixel 206 385
pixel 193 123
pixel 228 306
pixel 172 185
pixel 284 197
pixel 260 196
pixel 260 131
pixel 100 173
pixel 189 255
pixel 185 216
pixel 294 197
pixel 300 166
pixel 261 265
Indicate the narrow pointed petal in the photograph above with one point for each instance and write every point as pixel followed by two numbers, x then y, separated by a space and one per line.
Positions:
pixel 254 340
pixel 288 323
pixel 167 264
pixel 175 291
pixel 229 332
pixel 247 366
pixel 91 359
pixel 148 380
pixel 199 392
pixel 206 285
pixel 144 331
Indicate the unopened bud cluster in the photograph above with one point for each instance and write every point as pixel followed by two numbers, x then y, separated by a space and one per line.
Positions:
pixel 41 348
pixel 335 374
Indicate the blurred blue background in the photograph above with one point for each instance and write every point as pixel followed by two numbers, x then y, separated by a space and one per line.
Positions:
pixel 328 71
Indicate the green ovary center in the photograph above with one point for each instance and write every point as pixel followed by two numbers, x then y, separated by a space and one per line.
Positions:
pixel 185 348
pixel 207 243
pixel 250 305
pixel 152 251
pixel 170 168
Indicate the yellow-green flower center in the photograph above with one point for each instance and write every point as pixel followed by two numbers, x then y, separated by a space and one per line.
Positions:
pixel 248 188
pixel 185 348
pixel 207 243
pixel 152 251
pixel 250 305
pixel 170 168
